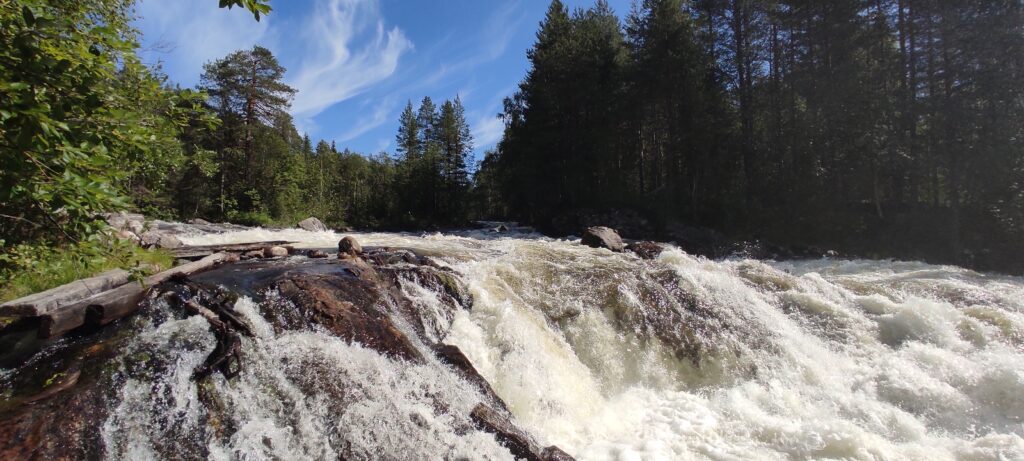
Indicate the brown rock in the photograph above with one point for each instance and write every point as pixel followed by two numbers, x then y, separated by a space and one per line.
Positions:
pixel 354 309
pixel 275 252
pixel 349 246
pixel 316 254
pixel 646 250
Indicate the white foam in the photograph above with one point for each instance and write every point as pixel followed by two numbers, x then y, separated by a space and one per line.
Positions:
pixel 802 360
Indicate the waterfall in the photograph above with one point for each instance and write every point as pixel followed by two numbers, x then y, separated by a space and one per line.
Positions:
pixel 609 357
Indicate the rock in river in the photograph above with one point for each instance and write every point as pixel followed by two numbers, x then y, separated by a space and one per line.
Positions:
pixel 313 225
pixel 349 246
pixel 602 237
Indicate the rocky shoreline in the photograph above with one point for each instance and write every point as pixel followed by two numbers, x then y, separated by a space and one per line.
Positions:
pixel 58 397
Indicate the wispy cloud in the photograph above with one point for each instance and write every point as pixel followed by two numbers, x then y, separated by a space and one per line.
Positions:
pixel 349 50
pixel 487 131
pixel 496 34
pixel 487 127
pixel 380 114
pixel 194 32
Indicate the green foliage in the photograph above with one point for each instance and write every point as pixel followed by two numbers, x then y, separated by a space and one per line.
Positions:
pixel 60 115
pixel 83 121
pixel 31 268
pixel 258 7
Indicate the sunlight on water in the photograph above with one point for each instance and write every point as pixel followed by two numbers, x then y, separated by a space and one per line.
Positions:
pixel 615 358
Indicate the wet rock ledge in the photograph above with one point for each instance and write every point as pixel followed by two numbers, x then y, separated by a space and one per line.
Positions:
pixel 55 401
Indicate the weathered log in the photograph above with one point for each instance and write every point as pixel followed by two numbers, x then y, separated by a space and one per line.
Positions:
pixel 206 250
pixel 105 307
pixel 44 302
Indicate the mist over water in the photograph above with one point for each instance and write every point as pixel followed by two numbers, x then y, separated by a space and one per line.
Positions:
pixel 611 357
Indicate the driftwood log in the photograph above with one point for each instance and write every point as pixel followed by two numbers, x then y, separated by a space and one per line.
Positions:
pixel 110 305
pixel 207 250
pixel 50 300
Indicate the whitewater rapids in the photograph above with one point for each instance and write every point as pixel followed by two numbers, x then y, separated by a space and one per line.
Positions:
pixel 821 359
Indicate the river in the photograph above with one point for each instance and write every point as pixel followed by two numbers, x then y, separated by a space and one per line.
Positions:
pixel 611 357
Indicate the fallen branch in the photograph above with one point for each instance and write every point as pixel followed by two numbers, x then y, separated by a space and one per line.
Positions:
pixel 227 355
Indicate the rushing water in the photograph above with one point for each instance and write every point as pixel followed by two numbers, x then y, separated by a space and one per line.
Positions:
pixel 614 358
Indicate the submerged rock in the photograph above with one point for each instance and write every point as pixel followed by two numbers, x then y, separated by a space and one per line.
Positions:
pixel 453 356
pixel 353 308
pixel 312 224
pixel 646 250
pixel 602 237
pixel 517 441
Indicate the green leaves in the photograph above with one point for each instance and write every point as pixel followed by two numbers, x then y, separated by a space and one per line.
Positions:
pixel 258 7
pixel 82 121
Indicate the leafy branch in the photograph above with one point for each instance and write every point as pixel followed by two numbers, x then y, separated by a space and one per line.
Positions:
pixel 258 7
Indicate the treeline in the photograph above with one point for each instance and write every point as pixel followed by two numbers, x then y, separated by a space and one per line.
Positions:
pixel 880 126
pixel 87 128
pixel 255 168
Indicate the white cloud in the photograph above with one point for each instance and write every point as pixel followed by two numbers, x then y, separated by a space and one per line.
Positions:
pixel 487 131
pixel 197 31
pixel 335 67
pixel 488 128
pixel 377 118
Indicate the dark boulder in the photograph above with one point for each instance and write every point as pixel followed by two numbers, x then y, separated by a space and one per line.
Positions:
pixel 382 256
pixel 316 254
pixel 602 237
pixel 699 240
pixel 518 442
pixel 646 250
pixel 453 357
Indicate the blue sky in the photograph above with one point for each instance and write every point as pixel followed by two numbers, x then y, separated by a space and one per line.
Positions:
pixel 357 62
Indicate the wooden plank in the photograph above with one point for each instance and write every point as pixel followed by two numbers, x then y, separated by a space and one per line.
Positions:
pixel 103 308
pixel 206 250
pixel 44 302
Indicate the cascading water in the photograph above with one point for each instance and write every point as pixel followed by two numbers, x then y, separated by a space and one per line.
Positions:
pixel 611 357
pixel 599 354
